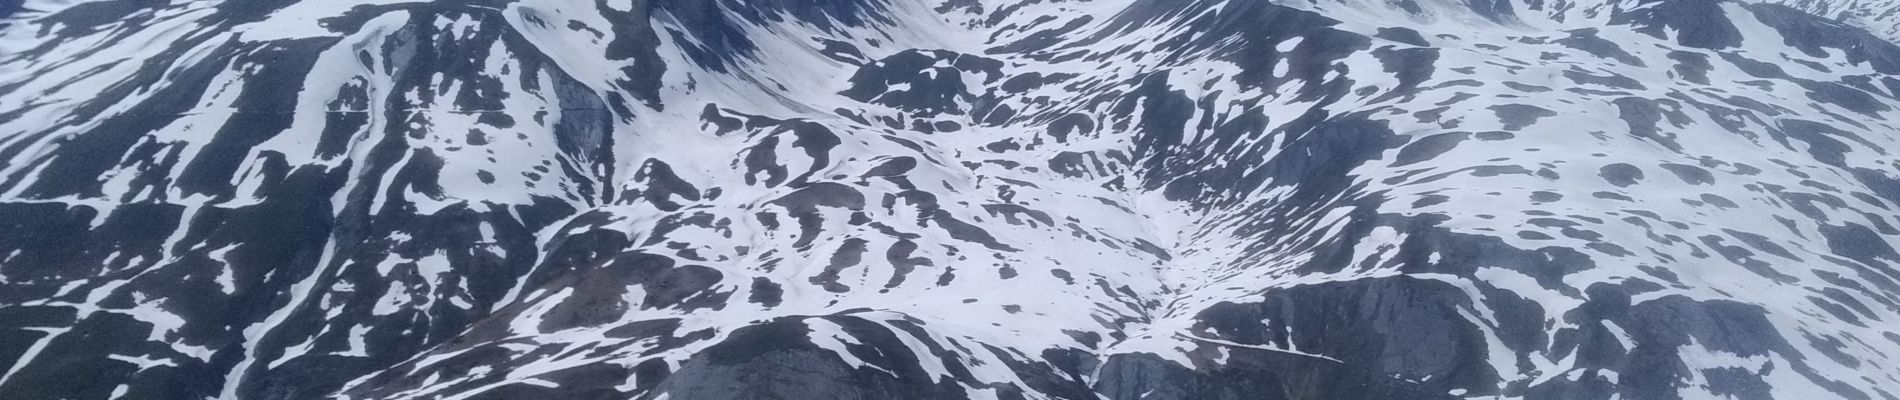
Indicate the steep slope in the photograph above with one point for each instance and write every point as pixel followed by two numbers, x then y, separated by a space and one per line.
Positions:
pixel 1880 17
pixel 1112 199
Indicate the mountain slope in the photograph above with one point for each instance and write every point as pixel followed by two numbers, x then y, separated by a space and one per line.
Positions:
pixel 1112 199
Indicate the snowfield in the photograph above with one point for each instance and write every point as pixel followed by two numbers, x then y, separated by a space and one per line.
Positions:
pixel 950 199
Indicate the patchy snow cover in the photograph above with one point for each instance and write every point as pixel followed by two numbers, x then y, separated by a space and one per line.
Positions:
pixel 1015 199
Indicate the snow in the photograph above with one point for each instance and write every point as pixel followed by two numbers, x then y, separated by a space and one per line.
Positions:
pixel 1083 280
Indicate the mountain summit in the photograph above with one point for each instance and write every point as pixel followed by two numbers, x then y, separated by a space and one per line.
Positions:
pixel 950 199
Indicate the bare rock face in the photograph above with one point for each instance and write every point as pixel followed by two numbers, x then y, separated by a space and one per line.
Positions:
pixel 960 199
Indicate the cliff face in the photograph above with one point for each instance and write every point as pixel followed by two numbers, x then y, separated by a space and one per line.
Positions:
pixel 870 199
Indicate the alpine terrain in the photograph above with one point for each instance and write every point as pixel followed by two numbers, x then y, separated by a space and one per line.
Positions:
pixel 950 199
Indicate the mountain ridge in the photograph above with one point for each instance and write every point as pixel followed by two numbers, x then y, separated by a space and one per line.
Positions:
pixel 1128 199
